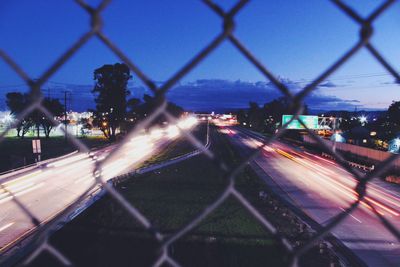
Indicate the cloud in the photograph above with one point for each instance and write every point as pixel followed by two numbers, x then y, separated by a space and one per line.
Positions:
pixel 207 94
pixel 329 84
pixel 223 94
pixel 389 83
pixel 325 102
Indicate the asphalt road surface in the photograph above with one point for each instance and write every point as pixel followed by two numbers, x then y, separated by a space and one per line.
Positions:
pixel 322 189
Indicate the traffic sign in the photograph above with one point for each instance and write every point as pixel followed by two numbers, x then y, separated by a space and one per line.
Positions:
pixel 36 146
pixel 310 121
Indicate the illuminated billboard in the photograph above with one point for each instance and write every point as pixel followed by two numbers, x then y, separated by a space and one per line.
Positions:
pixel 310 121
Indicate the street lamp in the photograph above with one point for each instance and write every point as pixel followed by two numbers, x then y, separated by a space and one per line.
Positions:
pixel 363 119
pixel 8 117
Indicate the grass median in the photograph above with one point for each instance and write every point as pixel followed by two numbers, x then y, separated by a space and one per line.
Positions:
pixel 179 147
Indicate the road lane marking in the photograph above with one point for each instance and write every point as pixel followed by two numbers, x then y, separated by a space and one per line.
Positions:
pixel 6 226
pixel 21 193
pixel 19 187
pixel 6 199
pixel 388 209
pixel 86 177
pixel 69 160
pixel 28 190
pixel 4 194
pixel 351 216
pixel 353 194
pixel 23 178
pixel 371 187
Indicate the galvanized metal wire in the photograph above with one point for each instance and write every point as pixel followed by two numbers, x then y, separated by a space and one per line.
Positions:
pixel 227 34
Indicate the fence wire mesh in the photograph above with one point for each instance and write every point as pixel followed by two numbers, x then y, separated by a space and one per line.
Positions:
pixel 227 34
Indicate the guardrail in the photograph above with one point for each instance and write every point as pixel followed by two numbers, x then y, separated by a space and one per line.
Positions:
pixel 352 164
pixel 30 167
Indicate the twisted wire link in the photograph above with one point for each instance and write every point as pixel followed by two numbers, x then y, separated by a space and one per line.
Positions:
pixel 297 106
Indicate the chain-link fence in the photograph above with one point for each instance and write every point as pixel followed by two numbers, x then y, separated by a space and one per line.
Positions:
pixel 227 34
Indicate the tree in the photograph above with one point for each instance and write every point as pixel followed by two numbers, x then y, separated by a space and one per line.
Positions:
pixel 349 121
pixel 393 113
pixel 86 125
pixel 139 110
pixel 391 127
pixel 56 108
pixel 267 118
pixel 242 117
pixel 255 116
pixel 110 92
pixel 17 102
pixel 274 111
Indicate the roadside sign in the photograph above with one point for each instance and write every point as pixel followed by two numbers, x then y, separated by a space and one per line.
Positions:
pixel 36 146
pixel 310 121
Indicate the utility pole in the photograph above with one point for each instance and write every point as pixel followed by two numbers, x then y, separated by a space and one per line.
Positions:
pixel 65 113
pixel 334 134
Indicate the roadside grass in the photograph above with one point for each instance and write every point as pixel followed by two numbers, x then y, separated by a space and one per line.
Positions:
pixel 106 235
pixel 16 152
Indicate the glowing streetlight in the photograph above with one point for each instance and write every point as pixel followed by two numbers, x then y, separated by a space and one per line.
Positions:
pixel 8 117
pixel 363 119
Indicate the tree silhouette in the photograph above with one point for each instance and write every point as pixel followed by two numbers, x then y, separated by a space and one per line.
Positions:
pixel 56 108
pixel 392 124
pixel 16 102
pixel 269 117
pixel 394 112
pixel 255 116
pixel 139 110
pixel 110 92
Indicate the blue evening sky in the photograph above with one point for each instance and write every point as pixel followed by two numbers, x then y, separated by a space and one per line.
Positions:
pixel 296 39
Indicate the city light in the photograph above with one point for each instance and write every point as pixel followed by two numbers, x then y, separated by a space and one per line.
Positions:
pixel 187 123
pixel 172 131
pixel 397 141
pixel 394 145
pixel 156 133
pixel 6 117
pixel 338 138
pixel 363 119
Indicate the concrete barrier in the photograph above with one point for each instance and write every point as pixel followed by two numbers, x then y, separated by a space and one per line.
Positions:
pixel 372 154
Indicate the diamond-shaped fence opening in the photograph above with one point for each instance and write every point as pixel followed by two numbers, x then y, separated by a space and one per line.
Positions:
pixel 227 34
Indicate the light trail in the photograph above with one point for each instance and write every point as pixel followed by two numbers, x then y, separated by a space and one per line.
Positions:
pixel 20 193
pixel 2 228
pixel 50 187
pixel 323 189
pixel 324 172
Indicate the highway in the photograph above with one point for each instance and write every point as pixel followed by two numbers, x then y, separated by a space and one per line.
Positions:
pixel 322 189
pixel 47 189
